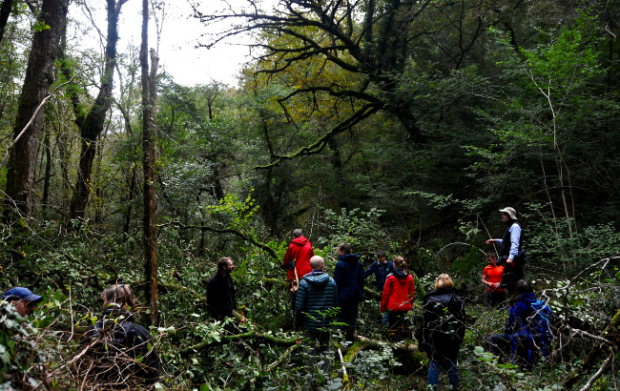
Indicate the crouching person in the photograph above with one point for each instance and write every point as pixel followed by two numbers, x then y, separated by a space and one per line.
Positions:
pixel 118 353
pixel 316 299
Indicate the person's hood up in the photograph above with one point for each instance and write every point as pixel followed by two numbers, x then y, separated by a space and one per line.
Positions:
pixel 443 295
pixel 401 275
pixel 527 297
pixel 300 241
pixel 350 258
pixel 317 278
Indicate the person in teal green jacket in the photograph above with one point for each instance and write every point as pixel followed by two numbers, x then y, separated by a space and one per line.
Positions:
pixel 316 299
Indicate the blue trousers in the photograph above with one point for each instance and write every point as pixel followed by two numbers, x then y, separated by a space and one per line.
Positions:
pixel 448 365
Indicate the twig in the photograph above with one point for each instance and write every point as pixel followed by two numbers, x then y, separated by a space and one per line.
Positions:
pixel 282 357
pixel 71 311
pixel 461 243
pixel 32 118
pixel 598 374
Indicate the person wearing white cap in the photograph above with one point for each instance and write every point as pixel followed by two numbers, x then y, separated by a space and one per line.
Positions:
pixel 511 253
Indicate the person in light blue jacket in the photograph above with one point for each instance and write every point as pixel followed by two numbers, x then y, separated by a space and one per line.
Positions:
pixel 511 251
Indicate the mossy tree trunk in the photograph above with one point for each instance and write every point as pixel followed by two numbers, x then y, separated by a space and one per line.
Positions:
pixel 39 76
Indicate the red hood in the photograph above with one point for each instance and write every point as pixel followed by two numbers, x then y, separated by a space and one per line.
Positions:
pixel 300 241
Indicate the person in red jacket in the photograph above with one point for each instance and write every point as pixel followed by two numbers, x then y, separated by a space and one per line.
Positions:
pixel 297 258
pixel 397 298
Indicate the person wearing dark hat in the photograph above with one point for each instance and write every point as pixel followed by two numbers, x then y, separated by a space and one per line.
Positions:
pixel 511 252
pixel 23 300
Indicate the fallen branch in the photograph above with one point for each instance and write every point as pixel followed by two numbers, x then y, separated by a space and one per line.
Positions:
pixel 610 334
pixel 239 337
pixel 372 293
pixel 379 344
pixel 240 234
pixel 282 357
pixel 363 343
pixel 598 374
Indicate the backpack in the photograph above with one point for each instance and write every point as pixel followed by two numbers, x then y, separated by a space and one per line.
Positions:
pixel 539 326
pixel 537 332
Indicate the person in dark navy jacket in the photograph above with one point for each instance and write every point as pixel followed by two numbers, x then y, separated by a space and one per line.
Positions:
pixel 380 269
pixel 349 277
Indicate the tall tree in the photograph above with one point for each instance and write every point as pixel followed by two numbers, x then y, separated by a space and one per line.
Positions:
pixel 149 107
pixel 5 11
pixel 91 125
pixel 39 77
pixel 373 55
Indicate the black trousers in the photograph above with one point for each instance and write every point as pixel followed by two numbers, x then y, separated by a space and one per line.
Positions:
pixel 493 299
pixel 348 314
pixel 501 346
pixel 397 326
pixel 318 354
pixel 499 343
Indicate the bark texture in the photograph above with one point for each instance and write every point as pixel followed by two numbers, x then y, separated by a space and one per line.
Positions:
pixel 149 102
pixel 39 77
pixel 92 125
pixel 5 12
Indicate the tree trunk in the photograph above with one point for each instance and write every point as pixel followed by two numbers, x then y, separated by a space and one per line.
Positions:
pixel 48 171
pixel 132 181
pixel 39 77
pixel 127 217
pixel 95 120
pixel 5 11
pixel 149 100
pixel 335 159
